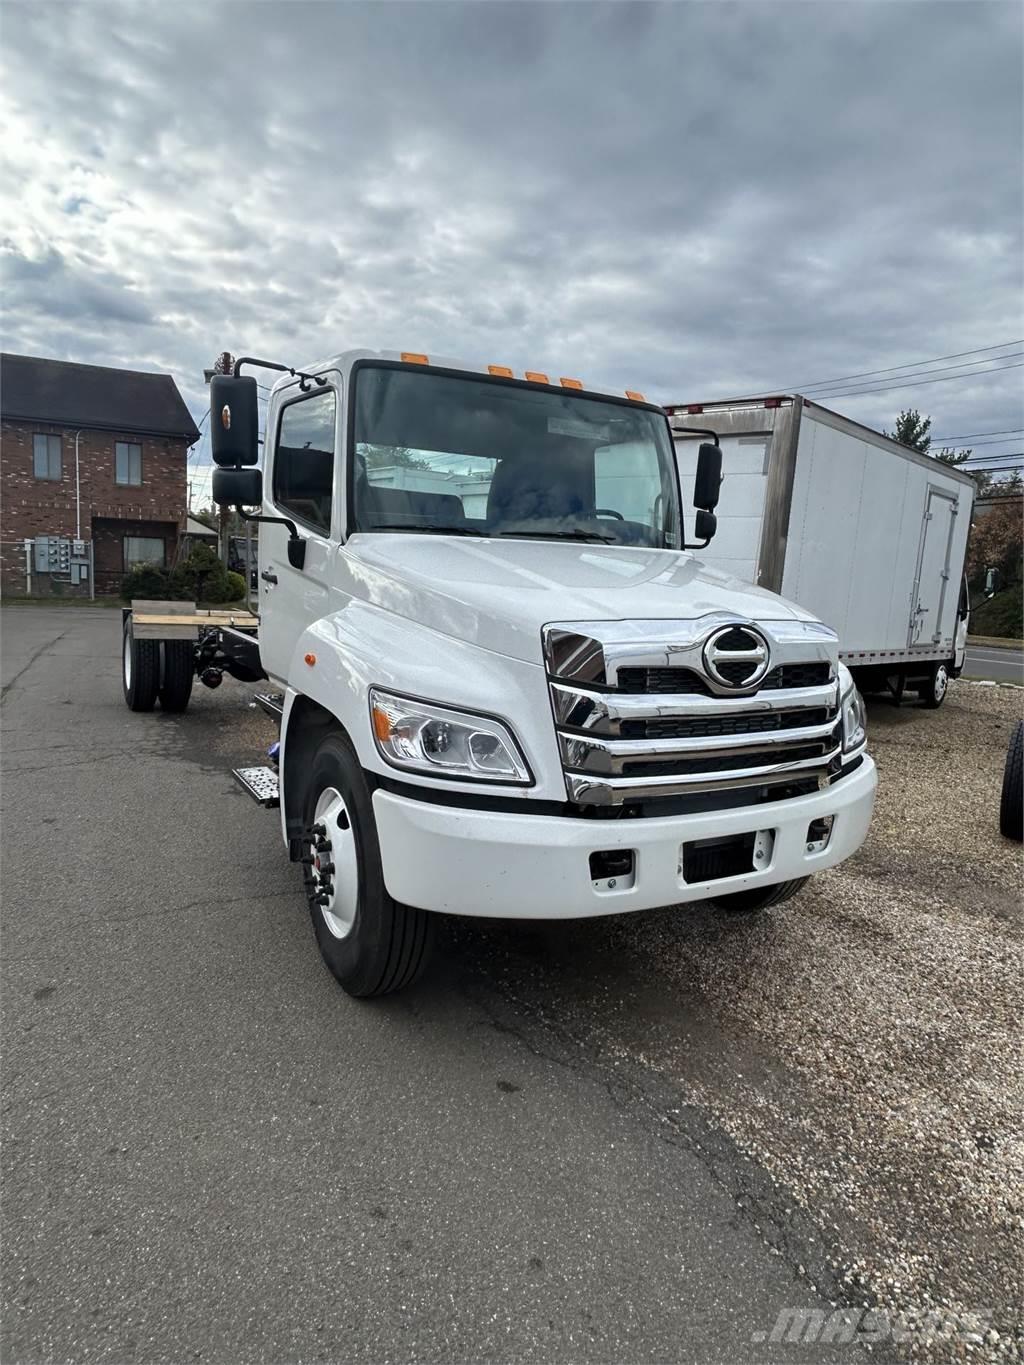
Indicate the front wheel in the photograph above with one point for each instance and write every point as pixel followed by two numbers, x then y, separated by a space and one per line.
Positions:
pixel 372 944
pixel 1011 803
pixel 759 898
pixel 933 693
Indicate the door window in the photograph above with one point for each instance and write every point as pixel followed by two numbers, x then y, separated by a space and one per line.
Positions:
pixel 304 460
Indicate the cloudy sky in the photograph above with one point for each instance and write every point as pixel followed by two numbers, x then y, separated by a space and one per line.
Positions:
pixel 694 199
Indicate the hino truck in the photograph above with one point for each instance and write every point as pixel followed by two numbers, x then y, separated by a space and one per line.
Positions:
pixel 867 534
pixel 506 683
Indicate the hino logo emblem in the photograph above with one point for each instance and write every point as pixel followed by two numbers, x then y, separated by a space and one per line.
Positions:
pixel 736 656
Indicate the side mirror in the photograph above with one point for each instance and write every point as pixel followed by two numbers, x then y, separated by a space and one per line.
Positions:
pixel 234 420
pixel 709 477
pixel 238 487
pixel 705 524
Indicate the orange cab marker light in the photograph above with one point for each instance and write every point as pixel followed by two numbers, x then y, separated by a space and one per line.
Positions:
pixel 381 725
pixel 535 377
pixel 571 383
pixel 636 397
pixel 310 659
pixel 502 370
pixel 414 358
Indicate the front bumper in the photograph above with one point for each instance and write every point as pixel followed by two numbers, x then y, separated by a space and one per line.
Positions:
pixel 520 866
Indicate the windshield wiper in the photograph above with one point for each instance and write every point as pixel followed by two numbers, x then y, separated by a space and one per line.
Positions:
pixel 561 535
pixel 425 530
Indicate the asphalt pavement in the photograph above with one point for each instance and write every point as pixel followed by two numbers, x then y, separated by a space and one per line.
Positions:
pixel 211 1153
pixel 995 662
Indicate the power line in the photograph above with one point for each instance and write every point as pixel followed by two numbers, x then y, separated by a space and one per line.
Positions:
pixel 909 383
pixel 909 365
pixel 962 365
pixel 964 440
pixel 970 435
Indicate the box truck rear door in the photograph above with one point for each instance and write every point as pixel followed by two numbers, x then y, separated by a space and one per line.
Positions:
pixel 932 584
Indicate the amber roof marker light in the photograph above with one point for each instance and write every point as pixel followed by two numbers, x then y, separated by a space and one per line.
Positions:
pixel 415 358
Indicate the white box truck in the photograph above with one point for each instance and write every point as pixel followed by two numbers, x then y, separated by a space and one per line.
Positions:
pixel 507 685
pixel 867 534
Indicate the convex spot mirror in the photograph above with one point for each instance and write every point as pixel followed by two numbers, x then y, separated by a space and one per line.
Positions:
pixel 238 487
pixel 709 477
pixel 705 524
pixel 234 420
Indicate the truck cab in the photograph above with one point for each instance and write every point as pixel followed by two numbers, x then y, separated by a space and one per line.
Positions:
pixel 511 688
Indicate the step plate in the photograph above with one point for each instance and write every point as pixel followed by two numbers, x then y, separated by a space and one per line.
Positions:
pixel 260 783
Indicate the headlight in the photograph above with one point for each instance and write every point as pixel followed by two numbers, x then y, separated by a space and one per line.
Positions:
pixel 427 738
pixel 855 720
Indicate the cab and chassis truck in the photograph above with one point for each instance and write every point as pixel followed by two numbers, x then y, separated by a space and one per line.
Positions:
pixel 507 686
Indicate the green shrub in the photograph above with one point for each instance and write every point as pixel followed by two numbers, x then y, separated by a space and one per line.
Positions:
pixel 148 581
pixel 202 577
pixel 236 587
pixel 1001 615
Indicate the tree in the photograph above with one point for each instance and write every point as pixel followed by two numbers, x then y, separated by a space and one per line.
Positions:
pixel 380 457
pixel 953 457
pixel 912 430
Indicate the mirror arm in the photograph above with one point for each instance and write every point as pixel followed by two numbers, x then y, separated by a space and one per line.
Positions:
pixel 296 544
pixel 304 379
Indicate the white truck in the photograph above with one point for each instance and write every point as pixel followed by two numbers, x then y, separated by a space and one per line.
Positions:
pixel 531 701
pixel 867 534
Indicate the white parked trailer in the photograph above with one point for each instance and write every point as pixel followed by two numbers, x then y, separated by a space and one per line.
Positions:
pixel 866 533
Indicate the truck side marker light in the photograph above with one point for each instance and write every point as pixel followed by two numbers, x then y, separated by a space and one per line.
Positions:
pixel 310 659
pixel 535 377
pixel 571 383
pixel 415 358
pixel 502 370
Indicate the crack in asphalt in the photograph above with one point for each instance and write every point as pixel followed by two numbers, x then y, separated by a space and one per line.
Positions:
pixel 9 687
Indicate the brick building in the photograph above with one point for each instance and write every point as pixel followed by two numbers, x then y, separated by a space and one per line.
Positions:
pixel 94 460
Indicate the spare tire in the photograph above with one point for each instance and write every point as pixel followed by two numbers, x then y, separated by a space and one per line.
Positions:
pixel 1011 803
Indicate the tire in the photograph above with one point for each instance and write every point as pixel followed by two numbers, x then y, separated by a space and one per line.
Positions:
pixel 140 669
pixel 1011 802
pixel 178 671
pixel 760 898
pixel 933 693
pixel 372 944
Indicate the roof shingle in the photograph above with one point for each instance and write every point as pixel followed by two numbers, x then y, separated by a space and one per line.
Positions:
pixel 93 396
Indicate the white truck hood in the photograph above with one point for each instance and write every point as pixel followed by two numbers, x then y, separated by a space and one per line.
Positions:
pixel 498 594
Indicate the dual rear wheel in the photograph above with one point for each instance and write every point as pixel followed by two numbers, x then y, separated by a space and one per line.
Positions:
pixel 156 669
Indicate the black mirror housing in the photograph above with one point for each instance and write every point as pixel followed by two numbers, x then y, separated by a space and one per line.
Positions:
pixel 238 487
pixel 708 482
pixel 234 420
pixel 705 524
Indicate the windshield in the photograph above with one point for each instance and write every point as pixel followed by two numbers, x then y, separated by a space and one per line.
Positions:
pixel 469 456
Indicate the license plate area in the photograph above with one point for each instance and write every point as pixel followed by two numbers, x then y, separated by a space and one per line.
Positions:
pixel 730 855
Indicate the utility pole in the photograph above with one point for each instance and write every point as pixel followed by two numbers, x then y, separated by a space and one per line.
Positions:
pixel 224 364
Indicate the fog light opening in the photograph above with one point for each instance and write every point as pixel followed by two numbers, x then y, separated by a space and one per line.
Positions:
pixel 613 869
pixel 819 832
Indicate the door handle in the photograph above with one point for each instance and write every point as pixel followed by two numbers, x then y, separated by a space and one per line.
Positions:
pixel 268 577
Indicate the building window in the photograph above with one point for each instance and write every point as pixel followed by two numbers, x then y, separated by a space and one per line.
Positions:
pixel 46 456
pixel 143 550
pixel 127 463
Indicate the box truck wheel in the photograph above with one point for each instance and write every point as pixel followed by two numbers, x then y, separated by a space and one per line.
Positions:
pixel 372 944
pixel 140 669
pixel 177 674
pixel 933 693
pixel 759 898
pixel 1011 803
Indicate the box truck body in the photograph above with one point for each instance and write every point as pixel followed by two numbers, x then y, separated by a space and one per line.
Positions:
pixel 866 533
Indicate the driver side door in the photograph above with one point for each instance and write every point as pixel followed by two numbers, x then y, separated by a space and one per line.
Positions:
pixel 303 486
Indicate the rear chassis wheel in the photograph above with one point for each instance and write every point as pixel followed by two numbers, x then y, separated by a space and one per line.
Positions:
pixel 759 898
pixel 176 674
pixel 140 669
pixel 371 943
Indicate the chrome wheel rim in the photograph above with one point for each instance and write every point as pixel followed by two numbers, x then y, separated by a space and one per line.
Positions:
pixel 127 657
pixel 941 682
pixel 335 868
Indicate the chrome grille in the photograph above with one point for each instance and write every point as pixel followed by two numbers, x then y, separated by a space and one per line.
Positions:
pixel 640 717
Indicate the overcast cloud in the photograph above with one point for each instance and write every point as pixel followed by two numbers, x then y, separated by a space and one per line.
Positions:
pixel 691 199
